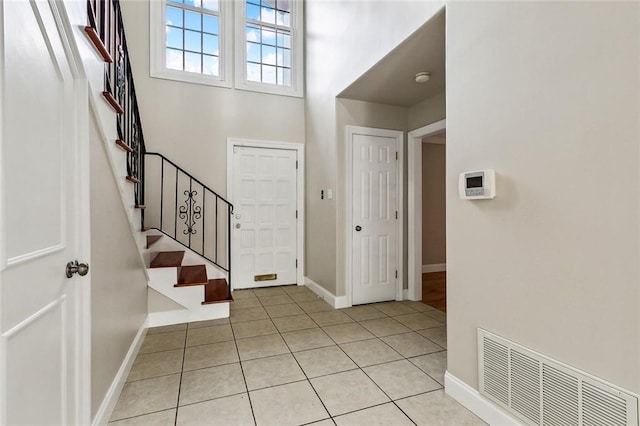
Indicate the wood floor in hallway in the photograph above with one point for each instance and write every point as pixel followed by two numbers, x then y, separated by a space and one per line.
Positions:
pixel 434 290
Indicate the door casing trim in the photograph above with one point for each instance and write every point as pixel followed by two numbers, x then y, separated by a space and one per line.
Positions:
pixel 293 146
pixel 399 137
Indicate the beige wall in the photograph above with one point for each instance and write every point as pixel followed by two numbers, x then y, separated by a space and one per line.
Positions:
pixel 433 203
pixel 547 95
pixel 343 41
pixel 118 281
pixel 427 112
pixel 190 123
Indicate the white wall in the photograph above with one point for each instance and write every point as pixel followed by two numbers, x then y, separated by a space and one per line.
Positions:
pixel 344 39
pixel 190 123
pixel 547 94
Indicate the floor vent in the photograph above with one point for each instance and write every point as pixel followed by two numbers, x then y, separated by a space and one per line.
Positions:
pixel 542 391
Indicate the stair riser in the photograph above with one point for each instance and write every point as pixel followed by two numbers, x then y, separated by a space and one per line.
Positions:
pixel 202 313
pixel 163 280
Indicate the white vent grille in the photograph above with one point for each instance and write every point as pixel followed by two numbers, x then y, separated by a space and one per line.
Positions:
pixel 542 391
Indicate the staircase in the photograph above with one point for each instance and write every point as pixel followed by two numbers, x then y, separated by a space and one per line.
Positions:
pixel 187 250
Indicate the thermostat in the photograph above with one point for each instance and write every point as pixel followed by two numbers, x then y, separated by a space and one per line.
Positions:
pixel 477 185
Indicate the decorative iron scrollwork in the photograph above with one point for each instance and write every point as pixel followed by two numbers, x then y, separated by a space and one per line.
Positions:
pixel 120 76
pixel 190 213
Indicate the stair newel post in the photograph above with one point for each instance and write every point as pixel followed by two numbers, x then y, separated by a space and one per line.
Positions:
pixel 229 214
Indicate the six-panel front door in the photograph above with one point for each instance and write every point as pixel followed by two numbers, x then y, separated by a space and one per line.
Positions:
pixel 374 218
pixel 264 234
pixel 41 309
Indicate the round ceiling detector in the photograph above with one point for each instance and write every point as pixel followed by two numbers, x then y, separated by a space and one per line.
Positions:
pixel 423 77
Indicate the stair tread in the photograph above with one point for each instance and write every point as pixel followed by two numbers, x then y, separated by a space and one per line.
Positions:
pixel 167 259
pixel 216 291
pixel 192 275
pixel 152 239
pixel 133 179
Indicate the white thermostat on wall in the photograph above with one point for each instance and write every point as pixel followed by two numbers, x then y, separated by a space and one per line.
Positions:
pixel 477 185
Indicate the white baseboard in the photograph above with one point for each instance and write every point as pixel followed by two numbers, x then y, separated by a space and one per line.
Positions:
pixel 337 302
pixel 111 398
pixel 434 267
pixel 476 403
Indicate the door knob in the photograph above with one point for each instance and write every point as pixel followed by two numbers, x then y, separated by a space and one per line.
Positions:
pixel 358 228
pixel 74 267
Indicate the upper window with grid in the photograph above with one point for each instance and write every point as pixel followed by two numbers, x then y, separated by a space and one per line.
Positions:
pixel 268 41
pixel 192 30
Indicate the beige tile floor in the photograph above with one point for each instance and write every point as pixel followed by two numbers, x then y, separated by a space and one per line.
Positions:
pixel 285 357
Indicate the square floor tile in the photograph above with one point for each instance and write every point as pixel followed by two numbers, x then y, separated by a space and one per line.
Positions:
pixel 303 297
pixel 323 361
pixel 147 396
pixel 343 333
pixel 161 418
pixel 241 294
pixel 347 391
pixel 167 328
pixel 370 352
pixel 242 330
pixel 437 315
pixel 281 299
pixel 209 323
pixel 230 410
pixel 156 364
pixel 400 379
pixel 434 365
pixel 418 306
pixel 206 335
pixel 163 342
pixel 330 318
pixel 394 308
pixel 315 306
pixel 261 347
pixel 272 371
pixel 210 355
pixel 417 321
pixel 276 311
pixel 437 335
pixel 246 303
pixel 436 408
pixel 268 291
pixel 384 326
pixel 380 415
pixel 307 339
pixel 294 323
pixel 296 289
pixel 287 405
pixel 363 313
pixel 209 383
pixel 250 314
pixel 411 344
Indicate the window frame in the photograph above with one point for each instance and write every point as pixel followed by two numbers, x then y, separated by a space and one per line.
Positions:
pixel 240 51
pixel 157 59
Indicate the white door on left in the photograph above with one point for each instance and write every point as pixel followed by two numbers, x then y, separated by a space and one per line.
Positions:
pixel 40 353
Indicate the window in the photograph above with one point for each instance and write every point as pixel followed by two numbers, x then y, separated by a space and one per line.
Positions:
pixel 270 32
pixel 191 43
pixel 193 40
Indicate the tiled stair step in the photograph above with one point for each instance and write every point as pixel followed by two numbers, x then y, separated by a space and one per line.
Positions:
pixel 152 239
pixel 167 259
pixel 192 275
pixel 216 291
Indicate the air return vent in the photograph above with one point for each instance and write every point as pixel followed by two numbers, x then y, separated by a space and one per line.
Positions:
pixel 541 391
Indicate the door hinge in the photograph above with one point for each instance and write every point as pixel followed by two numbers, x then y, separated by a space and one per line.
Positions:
pixel 296 214
pixel 396 214
pixel 296 263
pixel 396 155
pixel 396 273
pixel 296 164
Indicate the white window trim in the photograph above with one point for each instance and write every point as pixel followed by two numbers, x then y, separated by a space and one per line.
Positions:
pixel 297 31
pixel 157 46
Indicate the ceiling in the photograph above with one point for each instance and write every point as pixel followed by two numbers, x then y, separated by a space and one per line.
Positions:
pixel 392 80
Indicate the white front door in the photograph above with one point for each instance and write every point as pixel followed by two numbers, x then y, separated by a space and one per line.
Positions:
pixel 40 321
pixel 264 221
pixel 374 232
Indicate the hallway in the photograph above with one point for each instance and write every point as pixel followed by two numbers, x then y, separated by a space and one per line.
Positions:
pixel 285 357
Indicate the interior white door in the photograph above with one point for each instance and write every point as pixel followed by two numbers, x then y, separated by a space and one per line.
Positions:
pixel 374 218
pixel 264 233
pixel 39 321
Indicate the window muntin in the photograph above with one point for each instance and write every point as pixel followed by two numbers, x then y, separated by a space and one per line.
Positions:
pixel 192 40
pixel 268 35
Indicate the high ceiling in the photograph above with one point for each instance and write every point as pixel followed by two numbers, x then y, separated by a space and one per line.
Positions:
pixel 392 80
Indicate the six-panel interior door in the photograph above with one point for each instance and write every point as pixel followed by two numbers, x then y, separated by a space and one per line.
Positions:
pixel 264 233
pixel 374 209
pixel 39 304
